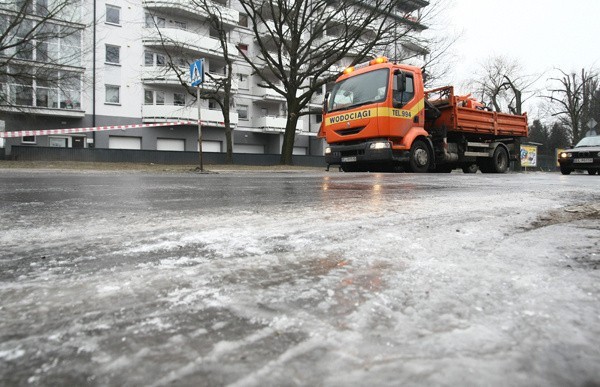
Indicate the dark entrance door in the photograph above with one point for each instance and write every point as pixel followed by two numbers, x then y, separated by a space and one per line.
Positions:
pixel 78 142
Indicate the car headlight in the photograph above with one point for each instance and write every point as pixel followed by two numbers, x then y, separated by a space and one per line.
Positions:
pixel 564 155
pixel 327 150
pixel 379 145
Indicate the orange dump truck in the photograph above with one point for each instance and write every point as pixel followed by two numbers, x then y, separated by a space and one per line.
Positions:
pixel 378 117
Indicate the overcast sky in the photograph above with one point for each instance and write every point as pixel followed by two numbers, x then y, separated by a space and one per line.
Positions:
pixel 541 34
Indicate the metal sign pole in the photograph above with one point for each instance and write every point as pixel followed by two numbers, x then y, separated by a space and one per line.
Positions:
pixel 199 128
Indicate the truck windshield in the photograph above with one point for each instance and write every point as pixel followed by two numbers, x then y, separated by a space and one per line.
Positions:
pixel 359 90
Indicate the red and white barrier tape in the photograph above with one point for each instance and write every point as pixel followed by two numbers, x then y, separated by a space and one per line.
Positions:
pixel 45 132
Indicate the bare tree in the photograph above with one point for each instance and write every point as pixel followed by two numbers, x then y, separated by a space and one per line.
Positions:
pixel 502 82
pixel 302 45
pixel 221 86
pixel 572 97
pixel 33 71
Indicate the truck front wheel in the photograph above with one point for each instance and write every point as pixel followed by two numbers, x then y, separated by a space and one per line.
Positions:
pixel 420 157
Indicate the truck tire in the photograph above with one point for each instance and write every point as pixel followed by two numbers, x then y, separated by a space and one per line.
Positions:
pixel 420 157
pixel 499 162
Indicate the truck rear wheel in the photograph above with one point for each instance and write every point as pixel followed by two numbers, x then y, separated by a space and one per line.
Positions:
pixel 420 157
pixel 498 163
pixel 500 160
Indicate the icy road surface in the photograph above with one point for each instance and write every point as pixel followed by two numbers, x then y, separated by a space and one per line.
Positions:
pixel 304 278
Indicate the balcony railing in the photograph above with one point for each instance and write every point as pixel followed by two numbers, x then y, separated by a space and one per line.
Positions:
pixel 269 94
pixel 173 37
pixel 230 17
pixel 275 123
pixel 162 75
pixel 162 113
pixel 412 5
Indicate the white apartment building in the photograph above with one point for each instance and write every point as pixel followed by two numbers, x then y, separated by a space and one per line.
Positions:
pixel 121 78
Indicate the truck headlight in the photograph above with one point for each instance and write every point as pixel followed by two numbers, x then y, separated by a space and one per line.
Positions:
pixel 380 145
pixel 328 151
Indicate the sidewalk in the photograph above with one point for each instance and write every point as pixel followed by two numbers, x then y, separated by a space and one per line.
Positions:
pixel 77 165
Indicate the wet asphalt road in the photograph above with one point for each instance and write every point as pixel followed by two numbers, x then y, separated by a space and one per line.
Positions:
pixel 298 278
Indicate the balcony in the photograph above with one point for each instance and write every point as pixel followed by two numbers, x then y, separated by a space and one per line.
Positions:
pixel 262 64
pixel 411 21
pixel 412 5
pixel 269 95
pixel 165 76
pixel 189 8
pixel 172 113
pixel 43 101
pixel 268 33
pixel 274 124
pixel 176 38
pixel 415 48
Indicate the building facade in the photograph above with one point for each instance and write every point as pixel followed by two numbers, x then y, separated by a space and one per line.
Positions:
pixel 117 55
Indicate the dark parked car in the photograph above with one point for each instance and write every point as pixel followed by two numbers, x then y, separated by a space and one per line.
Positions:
pixel 584 156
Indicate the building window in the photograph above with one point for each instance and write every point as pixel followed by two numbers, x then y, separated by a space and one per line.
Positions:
pixel 243 81
pixel 41 7
pixel 319 118
pixel 112 94
pixel 213 33
pixel 160 97
pixel 112 54
pixel 212 105
pixel 243 48
pixel 179 99
pixel 70 47
pixel 22 95
pixel 155 21
pixel 58 142
pixel 242 111
pixel 180 25
pixel 243 20
pixel 113 15
pixel 148 97
pixel 160 60
pixel 148 58
pixel 28 140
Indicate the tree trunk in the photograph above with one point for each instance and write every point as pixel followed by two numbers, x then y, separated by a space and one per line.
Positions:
pixel 228 140
pixel 289 136
pixel 226 108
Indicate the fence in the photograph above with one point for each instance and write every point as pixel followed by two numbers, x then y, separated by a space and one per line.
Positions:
pixel 36 153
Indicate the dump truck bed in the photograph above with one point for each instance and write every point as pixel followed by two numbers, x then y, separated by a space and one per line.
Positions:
pixel 458 118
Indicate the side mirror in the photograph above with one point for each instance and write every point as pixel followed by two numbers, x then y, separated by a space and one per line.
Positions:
pixel 400 81
pixel 326 102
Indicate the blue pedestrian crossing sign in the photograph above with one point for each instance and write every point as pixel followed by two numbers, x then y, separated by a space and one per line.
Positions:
pixel 197 72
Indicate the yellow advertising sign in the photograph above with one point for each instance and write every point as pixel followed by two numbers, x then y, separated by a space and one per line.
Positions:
pixel 528 155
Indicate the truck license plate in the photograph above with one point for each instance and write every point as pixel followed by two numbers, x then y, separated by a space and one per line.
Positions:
pixel 581 161
pixel 350 159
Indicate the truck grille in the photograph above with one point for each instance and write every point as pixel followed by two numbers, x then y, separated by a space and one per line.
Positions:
pixel 349 132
